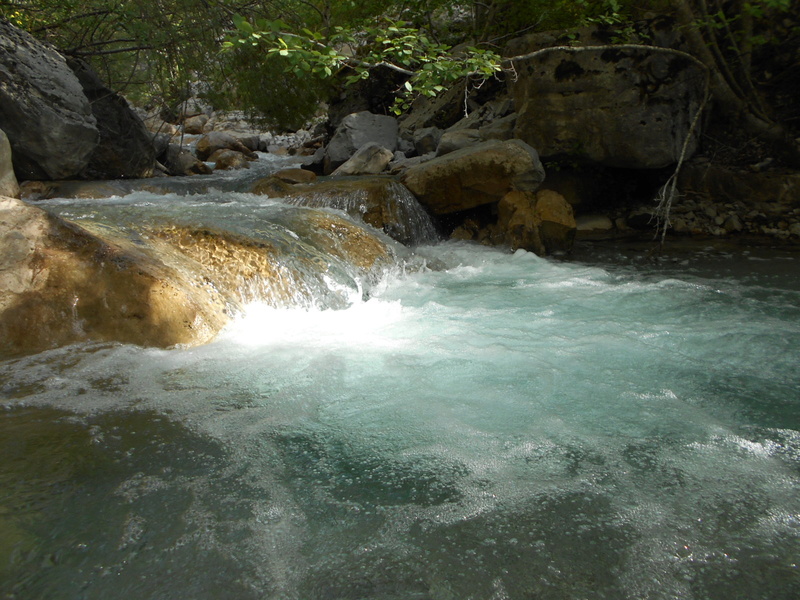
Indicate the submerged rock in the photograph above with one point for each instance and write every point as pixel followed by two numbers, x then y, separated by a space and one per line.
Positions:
pixel 477 175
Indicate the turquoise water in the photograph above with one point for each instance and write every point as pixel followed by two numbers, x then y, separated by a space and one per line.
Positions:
pixel 480 425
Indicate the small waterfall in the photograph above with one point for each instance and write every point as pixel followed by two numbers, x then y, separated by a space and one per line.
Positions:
pixel 379 201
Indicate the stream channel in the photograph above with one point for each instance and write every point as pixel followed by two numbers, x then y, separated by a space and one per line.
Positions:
pixel 475 424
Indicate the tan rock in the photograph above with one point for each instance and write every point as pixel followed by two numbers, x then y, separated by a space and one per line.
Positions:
pixel 480 174
pixel 369 159
pixel 220 140
pixel 195 124
pixel 60 284
pixel 542 223
pixel 226 160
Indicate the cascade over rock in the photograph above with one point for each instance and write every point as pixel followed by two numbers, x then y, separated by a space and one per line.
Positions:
pixel 61 283
pixel 618 107
pixel 379 201
pixel 43 109
pixel 473 176
pixel 125 148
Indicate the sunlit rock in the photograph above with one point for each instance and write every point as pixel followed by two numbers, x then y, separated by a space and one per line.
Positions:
pixel 480 174
pixel 195 124
pixel 61 284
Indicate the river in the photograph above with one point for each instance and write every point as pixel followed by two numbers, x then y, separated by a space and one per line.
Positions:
pixel 476 424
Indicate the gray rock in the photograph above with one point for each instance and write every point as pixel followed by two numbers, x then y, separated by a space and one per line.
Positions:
pixel 620 108
pixel 8 181
pixel 370 159
pixel 354 131
pixel 427 139
pixel 457 139
pixel 43 110
pixel 161 142
pixel 500 129
pixel 125 148
pixel 180 161
pixel 732 223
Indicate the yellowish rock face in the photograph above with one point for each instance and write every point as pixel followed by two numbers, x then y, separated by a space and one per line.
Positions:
pixel 60 283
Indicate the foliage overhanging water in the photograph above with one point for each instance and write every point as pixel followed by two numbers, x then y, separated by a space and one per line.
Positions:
pixel 501 426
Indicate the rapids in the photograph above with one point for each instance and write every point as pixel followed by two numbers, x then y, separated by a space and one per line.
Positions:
pixel 476 425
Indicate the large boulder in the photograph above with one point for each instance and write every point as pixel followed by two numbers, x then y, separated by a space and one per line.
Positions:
pixel 8 181
pixel 60 284
pixel 125 148
pixel 43 110
pixel 477 175
pixel 618 107
pixel 354 131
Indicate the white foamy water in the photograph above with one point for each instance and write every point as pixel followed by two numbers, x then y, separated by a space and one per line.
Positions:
pixel 497 427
